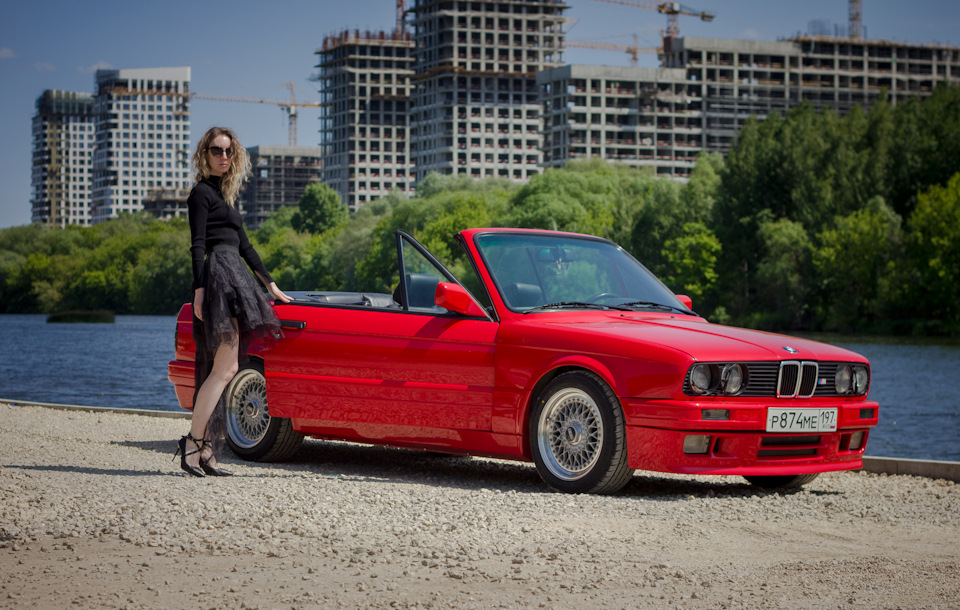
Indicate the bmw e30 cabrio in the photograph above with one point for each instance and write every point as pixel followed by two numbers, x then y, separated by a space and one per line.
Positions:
pixel 555 348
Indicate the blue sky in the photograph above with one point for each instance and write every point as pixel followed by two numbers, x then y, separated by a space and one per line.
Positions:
pixel 247 48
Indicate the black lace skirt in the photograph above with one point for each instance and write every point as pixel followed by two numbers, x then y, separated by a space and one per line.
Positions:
pixel 235 310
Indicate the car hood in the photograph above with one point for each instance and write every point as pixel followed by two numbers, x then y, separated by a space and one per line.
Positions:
pixel 701 340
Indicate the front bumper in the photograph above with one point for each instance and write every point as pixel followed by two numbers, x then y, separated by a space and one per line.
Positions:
pixel 744 453
pixel 656 431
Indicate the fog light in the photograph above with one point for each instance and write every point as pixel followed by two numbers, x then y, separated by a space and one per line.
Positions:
pixel 696 444
pixel 856 441
pixel 715 414
pixel 866 413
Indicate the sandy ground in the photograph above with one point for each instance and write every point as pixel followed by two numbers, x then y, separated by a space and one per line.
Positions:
pixel 93 513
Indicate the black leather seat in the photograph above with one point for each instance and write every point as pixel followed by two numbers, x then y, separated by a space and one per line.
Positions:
pixel 524 295
pixel 422 290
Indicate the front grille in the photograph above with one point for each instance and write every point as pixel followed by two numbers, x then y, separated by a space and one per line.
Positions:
pixel 776 379
pixel 797 379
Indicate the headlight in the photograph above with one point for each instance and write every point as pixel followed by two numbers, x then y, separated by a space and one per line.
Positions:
pixel 731 379
pixel 701 378
pixel 861 379
pixel 843 380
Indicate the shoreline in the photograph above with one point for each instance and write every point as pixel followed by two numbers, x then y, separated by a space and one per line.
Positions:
pixel 932 469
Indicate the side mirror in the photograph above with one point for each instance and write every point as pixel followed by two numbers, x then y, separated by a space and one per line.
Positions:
pixel 453 297
pixel 687 301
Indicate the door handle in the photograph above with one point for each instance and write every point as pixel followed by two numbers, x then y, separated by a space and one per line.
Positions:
pixel 293 324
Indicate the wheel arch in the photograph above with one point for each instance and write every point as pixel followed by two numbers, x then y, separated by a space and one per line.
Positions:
pixel 565 365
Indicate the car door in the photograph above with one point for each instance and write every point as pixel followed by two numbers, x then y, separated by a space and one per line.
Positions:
pixel 406 372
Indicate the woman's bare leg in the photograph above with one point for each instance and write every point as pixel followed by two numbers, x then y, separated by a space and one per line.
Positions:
pixel 225 365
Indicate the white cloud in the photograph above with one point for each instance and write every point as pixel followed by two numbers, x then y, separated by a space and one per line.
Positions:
pixel 42 66
pixel 7 53
pixel 100 65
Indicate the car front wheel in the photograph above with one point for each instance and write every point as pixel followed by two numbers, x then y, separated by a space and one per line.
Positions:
pixel 251 432
pixel 578 436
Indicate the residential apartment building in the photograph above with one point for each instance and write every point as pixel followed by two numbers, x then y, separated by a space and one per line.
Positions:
pixel 364 121
pixel 740 78
pixel 165 204
pixel 707 89
pixel 475 103
pixel 63 137
pixel 142 137
pixel 643 117
pixel 280 177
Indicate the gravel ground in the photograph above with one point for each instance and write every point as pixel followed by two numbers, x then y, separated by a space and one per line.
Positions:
pixel 94 513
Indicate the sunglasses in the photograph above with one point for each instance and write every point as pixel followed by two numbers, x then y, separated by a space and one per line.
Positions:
pixel 217 151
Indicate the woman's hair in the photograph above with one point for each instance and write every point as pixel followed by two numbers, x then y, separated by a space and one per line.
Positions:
pixel 240 166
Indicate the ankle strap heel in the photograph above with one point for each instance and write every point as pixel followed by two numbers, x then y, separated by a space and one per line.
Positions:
pixel 182 452
pixel 205 464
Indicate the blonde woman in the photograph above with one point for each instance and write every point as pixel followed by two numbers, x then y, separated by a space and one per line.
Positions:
pixel 229 308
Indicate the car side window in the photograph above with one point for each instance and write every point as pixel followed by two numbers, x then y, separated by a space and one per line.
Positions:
pixel 420 277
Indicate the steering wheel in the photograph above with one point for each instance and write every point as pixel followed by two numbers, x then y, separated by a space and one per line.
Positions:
pixel 602 296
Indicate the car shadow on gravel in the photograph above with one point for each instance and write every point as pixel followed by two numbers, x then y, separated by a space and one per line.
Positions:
pixel 398 466
pixel 87 470
pixel 651 486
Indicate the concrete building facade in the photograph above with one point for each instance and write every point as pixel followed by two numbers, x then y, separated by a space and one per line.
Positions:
pixel 709 87
pixel 643 117
pixel 63 138
pixel 475 103
pixel 280 177
pixel 739 78
pixel 142 137
pixel 364 122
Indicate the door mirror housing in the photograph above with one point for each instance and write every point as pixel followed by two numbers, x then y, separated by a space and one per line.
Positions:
pixel 687 301
pixel 454 297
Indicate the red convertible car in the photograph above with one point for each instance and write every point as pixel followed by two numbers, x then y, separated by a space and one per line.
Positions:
pixel 551 347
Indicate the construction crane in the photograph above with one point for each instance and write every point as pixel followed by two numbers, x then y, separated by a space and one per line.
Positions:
pixel 632 50
pixel 289 107
pixel 856 19
pixel 672 10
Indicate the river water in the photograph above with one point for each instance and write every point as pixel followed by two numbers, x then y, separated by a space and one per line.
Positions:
pixel 125 365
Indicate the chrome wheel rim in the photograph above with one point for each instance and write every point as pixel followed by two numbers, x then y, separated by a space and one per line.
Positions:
pixel 247 415
pixel 570 434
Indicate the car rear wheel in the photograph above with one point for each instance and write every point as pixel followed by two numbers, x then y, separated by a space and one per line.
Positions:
pixel 789 481
pixel 251 432
pixel 578 436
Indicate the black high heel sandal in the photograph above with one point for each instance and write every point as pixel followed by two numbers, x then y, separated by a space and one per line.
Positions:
pixel 212 470
pixel 182 452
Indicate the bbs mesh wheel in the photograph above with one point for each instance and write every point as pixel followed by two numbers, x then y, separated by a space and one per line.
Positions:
pixel 577 435
pixel 251 432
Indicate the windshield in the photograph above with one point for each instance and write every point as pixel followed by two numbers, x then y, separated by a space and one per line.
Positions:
pixel 540 272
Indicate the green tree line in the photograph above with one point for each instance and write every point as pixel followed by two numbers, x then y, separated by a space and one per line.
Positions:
pixel 814 221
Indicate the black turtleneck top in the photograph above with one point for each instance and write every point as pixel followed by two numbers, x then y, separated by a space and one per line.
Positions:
pixel 213 222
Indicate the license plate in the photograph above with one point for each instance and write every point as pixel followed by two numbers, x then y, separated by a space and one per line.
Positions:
pixel 801 420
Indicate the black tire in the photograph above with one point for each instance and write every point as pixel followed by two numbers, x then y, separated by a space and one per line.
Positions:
pixel 578 437
pixel 788 481
pixel 252 433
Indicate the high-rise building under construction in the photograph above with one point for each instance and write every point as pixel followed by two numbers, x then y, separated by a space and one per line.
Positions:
pixel 364 121
pixel 488 94
pixel 475 104
pixel 62 147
